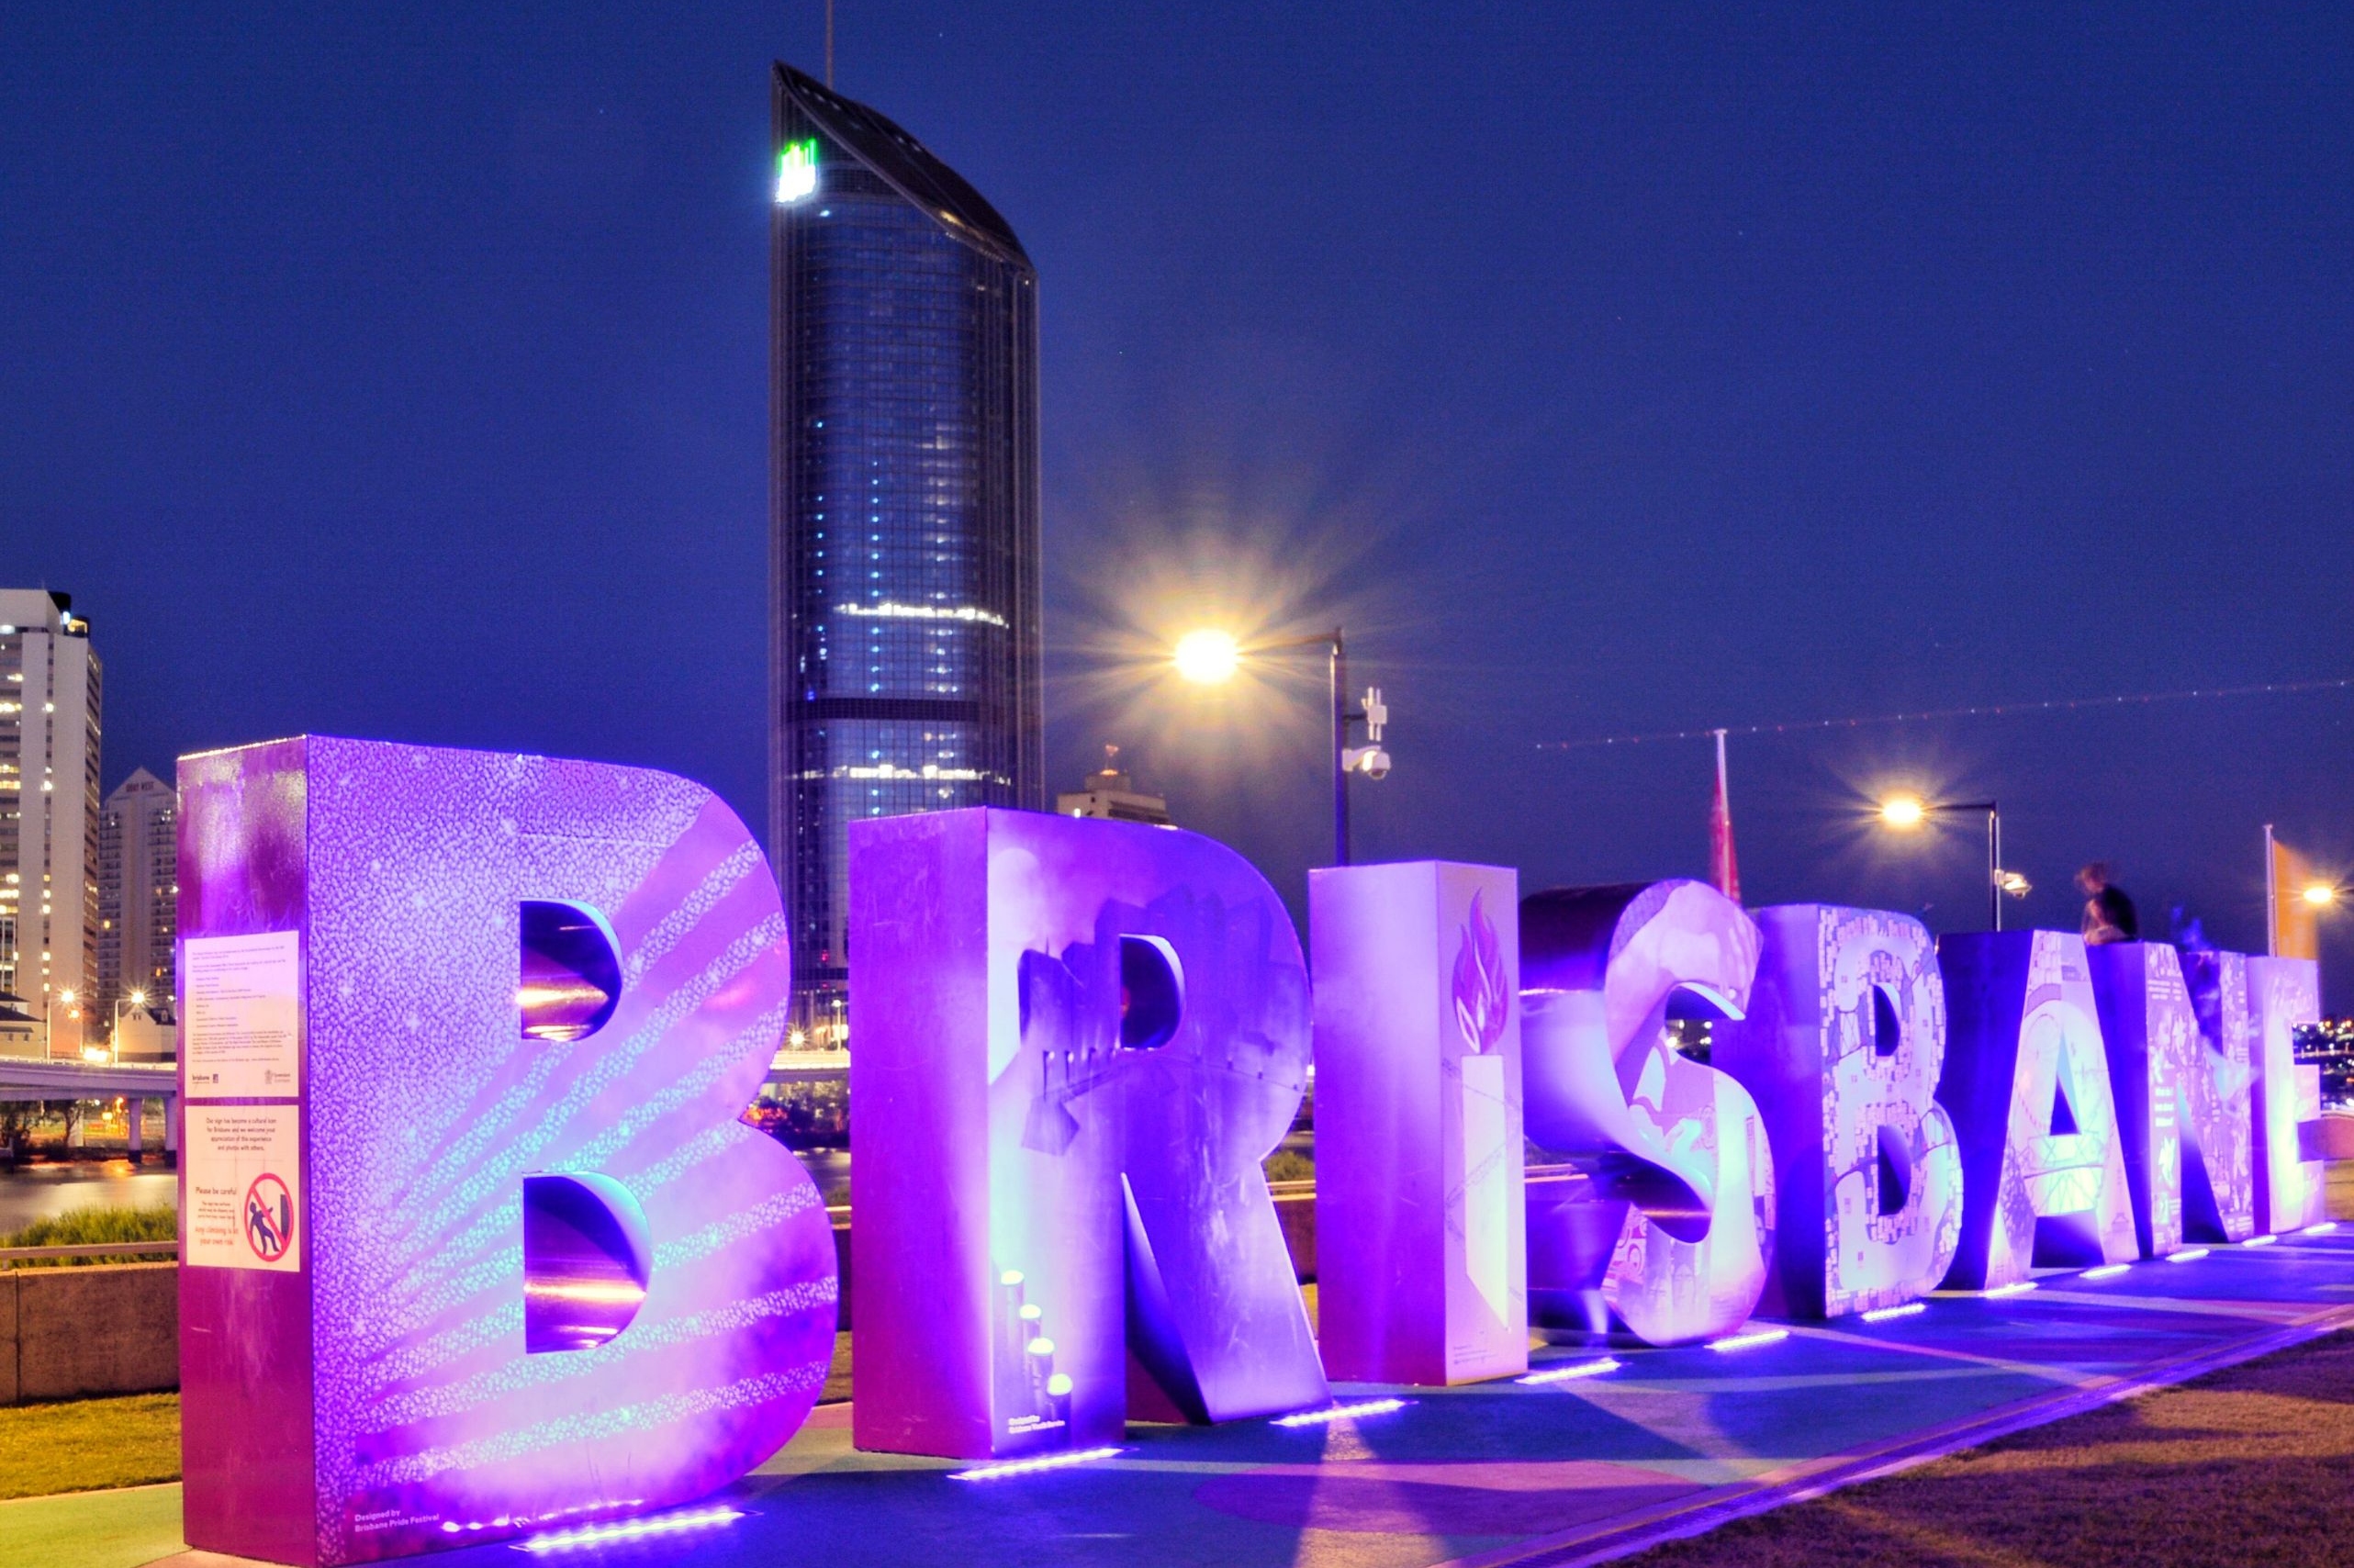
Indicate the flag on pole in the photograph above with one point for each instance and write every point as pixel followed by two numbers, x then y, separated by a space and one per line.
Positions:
pixel 2290 929
pixel 1723 869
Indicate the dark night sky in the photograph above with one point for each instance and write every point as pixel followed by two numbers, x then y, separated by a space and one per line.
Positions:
pixel 401 372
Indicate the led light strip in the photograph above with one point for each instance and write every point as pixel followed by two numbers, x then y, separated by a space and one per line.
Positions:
pixel 1882 1314
pixel 629 1530
pixel 2324 1228
pixel 2259 1242
pixel 2106 1271
pixel 1583 1369
pixel 2192 1255
pixel 2016 1287
pixel 1342 1413
pixel 1032 1466
pixel 1743 1341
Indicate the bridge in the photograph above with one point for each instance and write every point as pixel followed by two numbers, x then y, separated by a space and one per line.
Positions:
pixel 33 1078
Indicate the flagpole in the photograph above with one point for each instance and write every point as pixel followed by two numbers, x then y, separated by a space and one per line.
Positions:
pixel 2272 897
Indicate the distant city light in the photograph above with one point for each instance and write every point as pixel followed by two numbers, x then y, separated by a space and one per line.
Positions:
pixel 796 171
pixel 1580 1369
pixel 1208 658
pixel 1342 1413
pixel 1032 1466
pixel 1902 810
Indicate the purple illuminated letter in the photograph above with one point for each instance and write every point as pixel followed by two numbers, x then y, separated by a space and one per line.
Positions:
pixel 1665 1216
pixel 2183 1111
pixel 2219 1131
pixel 1421 1275
pixel 1844 1038
pixel 474 1240
pixel 2027 1083
pixel 2282 994
pixel 1077 1040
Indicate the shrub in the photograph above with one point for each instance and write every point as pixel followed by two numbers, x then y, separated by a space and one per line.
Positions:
pixel 95 1227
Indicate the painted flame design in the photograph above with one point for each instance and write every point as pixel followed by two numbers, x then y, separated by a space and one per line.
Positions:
pixel 1483 991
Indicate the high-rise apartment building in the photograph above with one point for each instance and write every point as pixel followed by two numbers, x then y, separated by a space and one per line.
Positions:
pixel 905 644
pixel 139 886
pixel 49 809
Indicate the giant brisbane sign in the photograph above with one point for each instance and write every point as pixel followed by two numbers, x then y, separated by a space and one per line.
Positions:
pixel 477 1245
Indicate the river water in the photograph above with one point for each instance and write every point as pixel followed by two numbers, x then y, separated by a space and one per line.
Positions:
pixel 39 1192
pixel 42 1192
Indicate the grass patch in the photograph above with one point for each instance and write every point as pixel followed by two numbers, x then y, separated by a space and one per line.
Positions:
pixel 1290 1165
pixel 94 1227
pixel 2247 1465
pixel 85 1444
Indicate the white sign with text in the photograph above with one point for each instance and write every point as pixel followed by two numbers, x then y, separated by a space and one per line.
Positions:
pixel 241 1035
pixel 245 1172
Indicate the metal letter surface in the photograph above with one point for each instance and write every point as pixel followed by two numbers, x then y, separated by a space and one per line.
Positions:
pixel 2027 1083
pixel 2219 1132
pixel 1843 1044
pixel 1421 1270
pixel 2175 1098
pixel 1667 1217
pixel 1077 1040
pixel 383 1396
pixel 2282 994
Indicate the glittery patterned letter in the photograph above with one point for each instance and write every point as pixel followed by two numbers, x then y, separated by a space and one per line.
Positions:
pixel 1843 1044
pixel 489 1022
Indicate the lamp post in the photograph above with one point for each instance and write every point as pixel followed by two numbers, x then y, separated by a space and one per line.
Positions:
pixel 1212 658
pixel 115 1042
pixel 1905 812
pixel 50 998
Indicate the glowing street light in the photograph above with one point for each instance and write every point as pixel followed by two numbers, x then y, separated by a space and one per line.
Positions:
pixel 2321 895
pixel 1208 658
pixel 1905 812
pixel 1211 657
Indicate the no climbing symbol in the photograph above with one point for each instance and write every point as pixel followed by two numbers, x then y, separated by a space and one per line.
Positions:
pixel 269 1217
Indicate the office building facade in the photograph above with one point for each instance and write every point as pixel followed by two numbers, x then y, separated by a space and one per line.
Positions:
pixel 50 703
pixel 139 886
pixel 906 646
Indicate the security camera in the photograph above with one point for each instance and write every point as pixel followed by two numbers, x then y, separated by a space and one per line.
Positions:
pixel 1370 760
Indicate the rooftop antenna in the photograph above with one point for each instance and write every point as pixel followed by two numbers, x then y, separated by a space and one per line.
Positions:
pixel 829 45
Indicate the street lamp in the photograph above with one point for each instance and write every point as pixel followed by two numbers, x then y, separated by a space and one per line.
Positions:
pixel 2321 895
pixel 136 999
pixel 1905 812
pixel 1212 658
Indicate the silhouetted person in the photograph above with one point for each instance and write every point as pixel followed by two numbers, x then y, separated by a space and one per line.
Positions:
pixel 2109 914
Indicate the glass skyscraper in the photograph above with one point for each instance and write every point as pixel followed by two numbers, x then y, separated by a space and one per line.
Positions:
pixel 904 640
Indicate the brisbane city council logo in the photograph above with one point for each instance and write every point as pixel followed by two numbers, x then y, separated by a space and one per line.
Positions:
pixel 269 1217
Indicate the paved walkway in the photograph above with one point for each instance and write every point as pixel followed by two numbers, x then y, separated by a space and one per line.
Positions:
pixel 1667 1444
